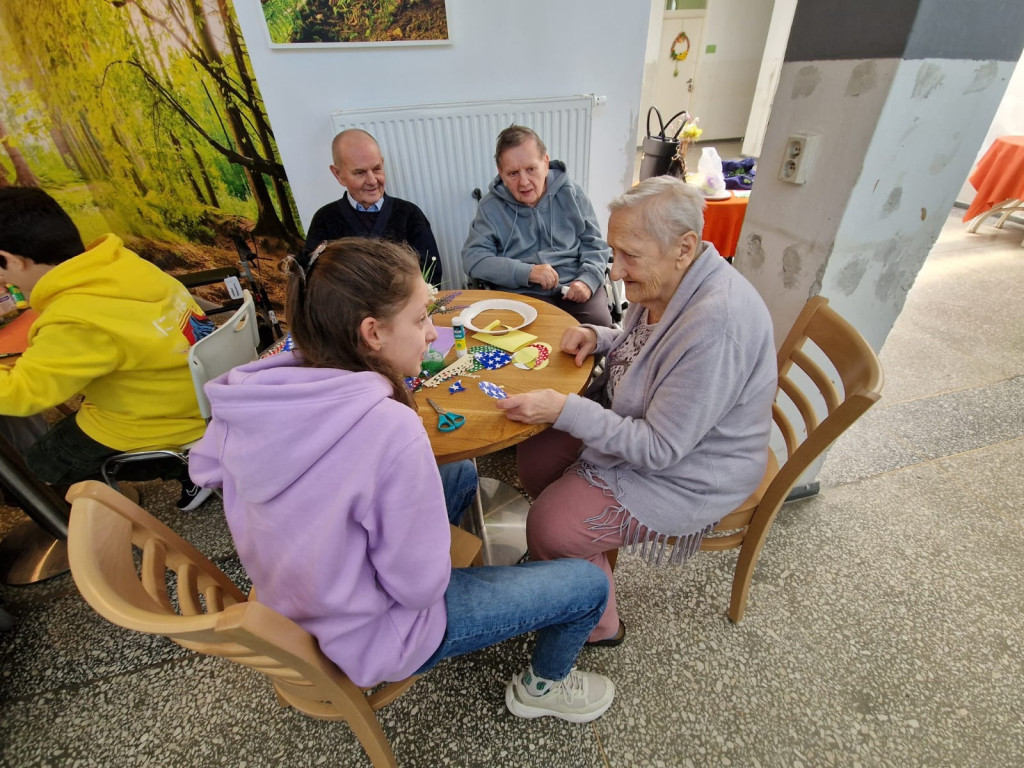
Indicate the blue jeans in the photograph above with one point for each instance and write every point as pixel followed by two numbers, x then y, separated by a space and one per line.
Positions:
pixel 459 482
pixel 561 600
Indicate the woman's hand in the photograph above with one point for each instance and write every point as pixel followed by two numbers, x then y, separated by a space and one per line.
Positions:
pixel 579 341
pixel 542 406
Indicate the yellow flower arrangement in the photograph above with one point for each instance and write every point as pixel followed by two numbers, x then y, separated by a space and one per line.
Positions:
pixel 690 133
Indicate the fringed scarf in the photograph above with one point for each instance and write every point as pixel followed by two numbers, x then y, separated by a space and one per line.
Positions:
pixel 651 545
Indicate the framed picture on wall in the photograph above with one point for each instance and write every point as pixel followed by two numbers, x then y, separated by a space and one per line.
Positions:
pixel 319 23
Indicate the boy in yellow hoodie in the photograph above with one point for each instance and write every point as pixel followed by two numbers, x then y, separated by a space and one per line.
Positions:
pixel 111 326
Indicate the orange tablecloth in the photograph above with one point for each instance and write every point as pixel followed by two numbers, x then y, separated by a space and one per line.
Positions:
pixel 14 335
pixel 999 175
pixel 723 220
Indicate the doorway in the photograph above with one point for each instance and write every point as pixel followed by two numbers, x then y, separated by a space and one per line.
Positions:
pixel 705 57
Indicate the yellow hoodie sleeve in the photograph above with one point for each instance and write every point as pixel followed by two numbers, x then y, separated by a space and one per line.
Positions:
pixel 59 362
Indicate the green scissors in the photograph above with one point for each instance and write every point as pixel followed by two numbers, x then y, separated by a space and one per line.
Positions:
pixel 446 421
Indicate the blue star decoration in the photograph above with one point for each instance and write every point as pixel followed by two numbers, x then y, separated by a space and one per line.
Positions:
pixel 457 387
pixel 493 390
pixel 492 359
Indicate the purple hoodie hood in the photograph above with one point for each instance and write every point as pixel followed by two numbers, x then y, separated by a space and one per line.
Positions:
pixel 279 399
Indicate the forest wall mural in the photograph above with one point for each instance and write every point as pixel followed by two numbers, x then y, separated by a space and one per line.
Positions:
pixel 143 118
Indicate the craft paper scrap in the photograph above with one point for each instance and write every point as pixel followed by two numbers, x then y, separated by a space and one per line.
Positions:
pixel 493 390
pixel 525 357
pixel 510 341
pixel 533 357
pixel 286 345
pixel 463 366
pixel 457 387
pixel 445 340
pixel 493 359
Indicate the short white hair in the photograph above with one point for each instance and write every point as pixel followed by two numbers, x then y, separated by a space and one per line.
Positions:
pixel 669 208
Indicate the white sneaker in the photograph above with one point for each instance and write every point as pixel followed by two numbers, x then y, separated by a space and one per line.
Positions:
pixel 579 698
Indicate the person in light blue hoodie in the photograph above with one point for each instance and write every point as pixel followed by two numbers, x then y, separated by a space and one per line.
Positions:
pixel 336 507
pixel 536 233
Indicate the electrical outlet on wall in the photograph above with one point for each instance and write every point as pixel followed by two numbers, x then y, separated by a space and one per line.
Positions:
pixel 797 158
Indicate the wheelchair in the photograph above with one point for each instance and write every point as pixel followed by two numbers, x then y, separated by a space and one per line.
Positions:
pixel 613 290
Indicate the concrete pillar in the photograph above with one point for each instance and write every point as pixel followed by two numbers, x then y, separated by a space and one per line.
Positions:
pixel 897 95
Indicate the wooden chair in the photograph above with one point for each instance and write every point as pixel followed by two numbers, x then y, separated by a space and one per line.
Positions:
pixel 200 608
pixel 809 412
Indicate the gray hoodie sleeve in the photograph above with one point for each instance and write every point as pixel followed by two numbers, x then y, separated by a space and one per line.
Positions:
pixel 482 260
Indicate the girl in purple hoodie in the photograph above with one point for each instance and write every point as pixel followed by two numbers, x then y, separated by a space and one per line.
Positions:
pixel 335 502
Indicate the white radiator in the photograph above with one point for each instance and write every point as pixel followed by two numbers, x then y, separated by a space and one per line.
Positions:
pixel 435 155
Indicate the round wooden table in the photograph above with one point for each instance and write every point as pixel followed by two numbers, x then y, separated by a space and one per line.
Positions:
pixel 499 511
pixel 486 429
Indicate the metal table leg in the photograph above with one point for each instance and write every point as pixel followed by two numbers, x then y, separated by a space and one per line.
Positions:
pixel 499 519
pixel 35 549
pixel 28 554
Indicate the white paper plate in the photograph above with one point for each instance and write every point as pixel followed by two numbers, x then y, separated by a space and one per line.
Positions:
pixel 725 194
pixel 528 313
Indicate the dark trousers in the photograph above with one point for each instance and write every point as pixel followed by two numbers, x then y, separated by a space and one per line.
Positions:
pixel 65 455
pixel 593 311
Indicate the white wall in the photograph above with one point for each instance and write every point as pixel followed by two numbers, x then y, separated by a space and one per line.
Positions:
pixel 652 56
pixel 1009 121
pixel 498 50
pixel 768 78
pixel 725 82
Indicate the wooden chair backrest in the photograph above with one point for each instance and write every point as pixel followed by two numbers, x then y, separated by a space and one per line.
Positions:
pixel 828 377
pixel 178 593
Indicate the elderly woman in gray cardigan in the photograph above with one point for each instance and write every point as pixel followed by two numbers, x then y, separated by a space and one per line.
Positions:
pixel 674 435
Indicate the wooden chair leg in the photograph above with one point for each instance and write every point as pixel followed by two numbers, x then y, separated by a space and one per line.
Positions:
pixel 750 552
pixel 366 727
pixel 613 555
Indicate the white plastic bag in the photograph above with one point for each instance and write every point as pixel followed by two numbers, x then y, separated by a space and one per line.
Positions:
pixel 709 170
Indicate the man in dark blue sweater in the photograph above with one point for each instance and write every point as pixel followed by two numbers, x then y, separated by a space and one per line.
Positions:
pixel 364 210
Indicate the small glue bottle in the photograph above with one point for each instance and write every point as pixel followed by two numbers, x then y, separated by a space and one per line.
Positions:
pixel 18 296
pixel 459 332
pixel 7 305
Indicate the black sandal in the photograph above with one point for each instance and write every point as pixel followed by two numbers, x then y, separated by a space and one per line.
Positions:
pixel 611 642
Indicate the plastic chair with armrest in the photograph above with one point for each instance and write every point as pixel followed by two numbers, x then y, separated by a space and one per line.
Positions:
pixel 821 353
pixel 177 592
pixel 230 345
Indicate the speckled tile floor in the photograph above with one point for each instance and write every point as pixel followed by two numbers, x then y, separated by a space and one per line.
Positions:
pixel 884 625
